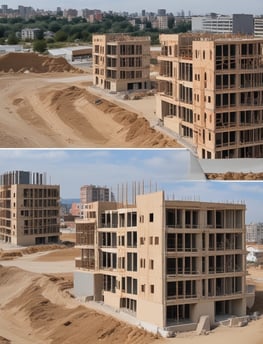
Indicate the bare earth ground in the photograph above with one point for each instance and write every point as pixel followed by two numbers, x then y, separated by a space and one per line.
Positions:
pixel 56 110
pixel 36 308
pixel 235 176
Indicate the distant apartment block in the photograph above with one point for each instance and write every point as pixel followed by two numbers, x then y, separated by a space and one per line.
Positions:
pixel 26 12
pixel 254 233
pixel 160 23
pixel 236 23
pixel 29 209
pixel 161 12
pixel 70 13
pixel 165 262
pixel 121 62
pixel 29 34
pixel 93 193
pixel 210 93
pixel 75 209
pixel 258 26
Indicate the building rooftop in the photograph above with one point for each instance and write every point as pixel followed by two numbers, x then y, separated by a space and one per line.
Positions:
pixel 22 177
pixel 124 37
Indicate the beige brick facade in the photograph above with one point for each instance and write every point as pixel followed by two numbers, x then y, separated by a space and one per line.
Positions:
pixel 121 62
pixel 211 93
pixel 29 213
pixel 165 262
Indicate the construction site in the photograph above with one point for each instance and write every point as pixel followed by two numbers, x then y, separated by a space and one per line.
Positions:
pixel 210 93
pixel 167 263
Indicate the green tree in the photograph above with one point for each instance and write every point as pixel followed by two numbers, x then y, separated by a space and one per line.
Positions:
pixel 2 31
pixel 171 22
pixel 40 45
pixel 12 39
pixel 183 27
pixel 40 35
pixel 61 36
pixel 54 26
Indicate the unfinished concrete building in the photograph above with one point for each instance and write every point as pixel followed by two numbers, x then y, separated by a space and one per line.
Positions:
pixel 29 209
pixel 121 62
pixel 211 93
pixel 165 262
pixel 92 193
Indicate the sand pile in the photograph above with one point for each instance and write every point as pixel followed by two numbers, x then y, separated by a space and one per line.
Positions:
pixel 32 62
pixel 235 176
pixel 11 254
pixel 43 311
pixel 136 130
pixel 48 113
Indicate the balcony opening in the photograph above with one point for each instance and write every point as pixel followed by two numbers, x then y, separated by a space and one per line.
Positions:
pixel 177 314
pixel 171 242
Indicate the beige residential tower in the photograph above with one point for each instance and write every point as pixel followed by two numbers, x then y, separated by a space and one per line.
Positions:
pixel 29 209
pixel 121 62
pixel 211 93
pixel 165 262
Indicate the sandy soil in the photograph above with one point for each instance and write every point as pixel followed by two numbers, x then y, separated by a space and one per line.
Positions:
pixel 37 308
pixel 41 311
pixel 235 176
pixel 55 256
pixel 56 110
pixel 67 236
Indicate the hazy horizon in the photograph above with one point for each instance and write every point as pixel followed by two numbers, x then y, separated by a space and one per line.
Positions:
pixel 201 7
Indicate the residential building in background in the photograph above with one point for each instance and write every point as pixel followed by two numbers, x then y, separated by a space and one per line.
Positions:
pixel 75 209
pixel 29 209
pixel 70 13
pixel 93 193
pixel 258 26
pixel 254 233
pixel 214 23
pixel 161 12
pixel 217 23
pixel 26 12
pixel 166 262
pixel 210 93
pixel 160 23
pixel 29 34
pixel 121 62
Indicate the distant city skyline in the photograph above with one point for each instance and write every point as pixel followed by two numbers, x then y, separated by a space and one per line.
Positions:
pixel 195 7
pixel 167 168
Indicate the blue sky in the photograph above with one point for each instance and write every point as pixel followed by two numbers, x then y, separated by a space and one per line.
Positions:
pixel 196 7
pixel 168 168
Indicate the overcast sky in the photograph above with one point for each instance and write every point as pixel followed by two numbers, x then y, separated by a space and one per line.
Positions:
pixel 166 168
pixel 174 6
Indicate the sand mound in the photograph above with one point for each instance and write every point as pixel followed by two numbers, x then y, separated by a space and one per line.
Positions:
pixel 48 113
pixel 32 62
pixel 136 129
pixel 235 176
pixel 39 307
pixel 11 254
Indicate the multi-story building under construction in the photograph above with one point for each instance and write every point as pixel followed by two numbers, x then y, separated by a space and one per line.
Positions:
pixel 166 262
pixel 92 193
pixel 29 209
pixel 121 62
pixel 211 93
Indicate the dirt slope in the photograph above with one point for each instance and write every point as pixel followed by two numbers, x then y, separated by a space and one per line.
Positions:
pixel 39 310
pixel 235 176
pixel 32 62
